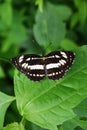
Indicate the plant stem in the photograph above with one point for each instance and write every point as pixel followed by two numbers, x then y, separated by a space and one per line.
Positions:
pixel 23 121
pixel 4 59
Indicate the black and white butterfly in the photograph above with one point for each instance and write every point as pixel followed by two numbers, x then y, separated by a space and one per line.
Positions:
pixel 53 65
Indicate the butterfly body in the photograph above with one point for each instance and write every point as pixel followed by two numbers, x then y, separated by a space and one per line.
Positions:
pixel 54 65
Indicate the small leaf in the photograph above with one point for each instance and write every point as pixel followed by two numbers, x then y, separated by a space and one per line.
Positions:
pixel 49 103
pixel 6 13
pixel 73 123
pixel 82 124
pixel 74 20
pixel 82 10
pixel 81 109
pixel 50 27
pixel 5 101
pixel 15 34
pixel 67 44
pixel 14 126
pixel 69 125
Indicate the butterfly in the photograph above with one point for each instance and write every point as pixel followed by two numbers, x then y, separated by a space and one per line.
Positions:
pixel 53 65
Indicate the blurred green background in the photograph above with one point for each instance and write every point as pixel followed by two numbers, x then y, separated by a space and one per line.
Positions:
pixel 37 26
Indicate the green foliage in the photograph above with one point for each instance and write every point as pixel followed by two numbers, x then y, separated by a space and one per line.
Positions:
pixel 2 74
pixel 14 126
pixel 5 101
pixel 67 44
pixel 6 16
pixel 49 29
pixel 49 102
pixel 71 124
pixel 40 27
pixel 81 14
pixel 40 4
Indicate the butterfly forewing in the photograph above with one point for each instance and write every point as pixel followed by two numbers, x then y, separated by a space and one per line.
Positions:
pixel 31 65
pixel 57 63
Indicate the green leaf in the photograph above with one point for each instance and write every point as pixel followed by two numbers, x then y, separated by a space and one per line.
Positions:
pixel 14 126
pixel 81 109
pixel 6 45
pixel 69 125
pixel 72 124
pixel 40 4
pixel 2 74
pixel 67 44
pixel 49 103
pixel 50 27
pixel 18 31
pixel 74 20
pixel 82 10
pixel 6 13
pixel 35 127
pixel 5 101
pixel 82 124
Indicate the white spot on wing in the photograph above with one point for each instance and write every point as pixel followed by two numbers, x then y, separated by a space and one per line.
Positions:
pixel 50 57
pixel 52 65
pixel 59 64
pixel 34 75
pixel 49 74
pixel 21 59
pixel 62 62
pixel 57 56
pixel 34 58
pixel 28 66
pixel 28 59
pixel 23 64
pixel 37 75
pixel 53 74
pixel 37 67
pixel 41 75
pixel 56 73
pixel 63 54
